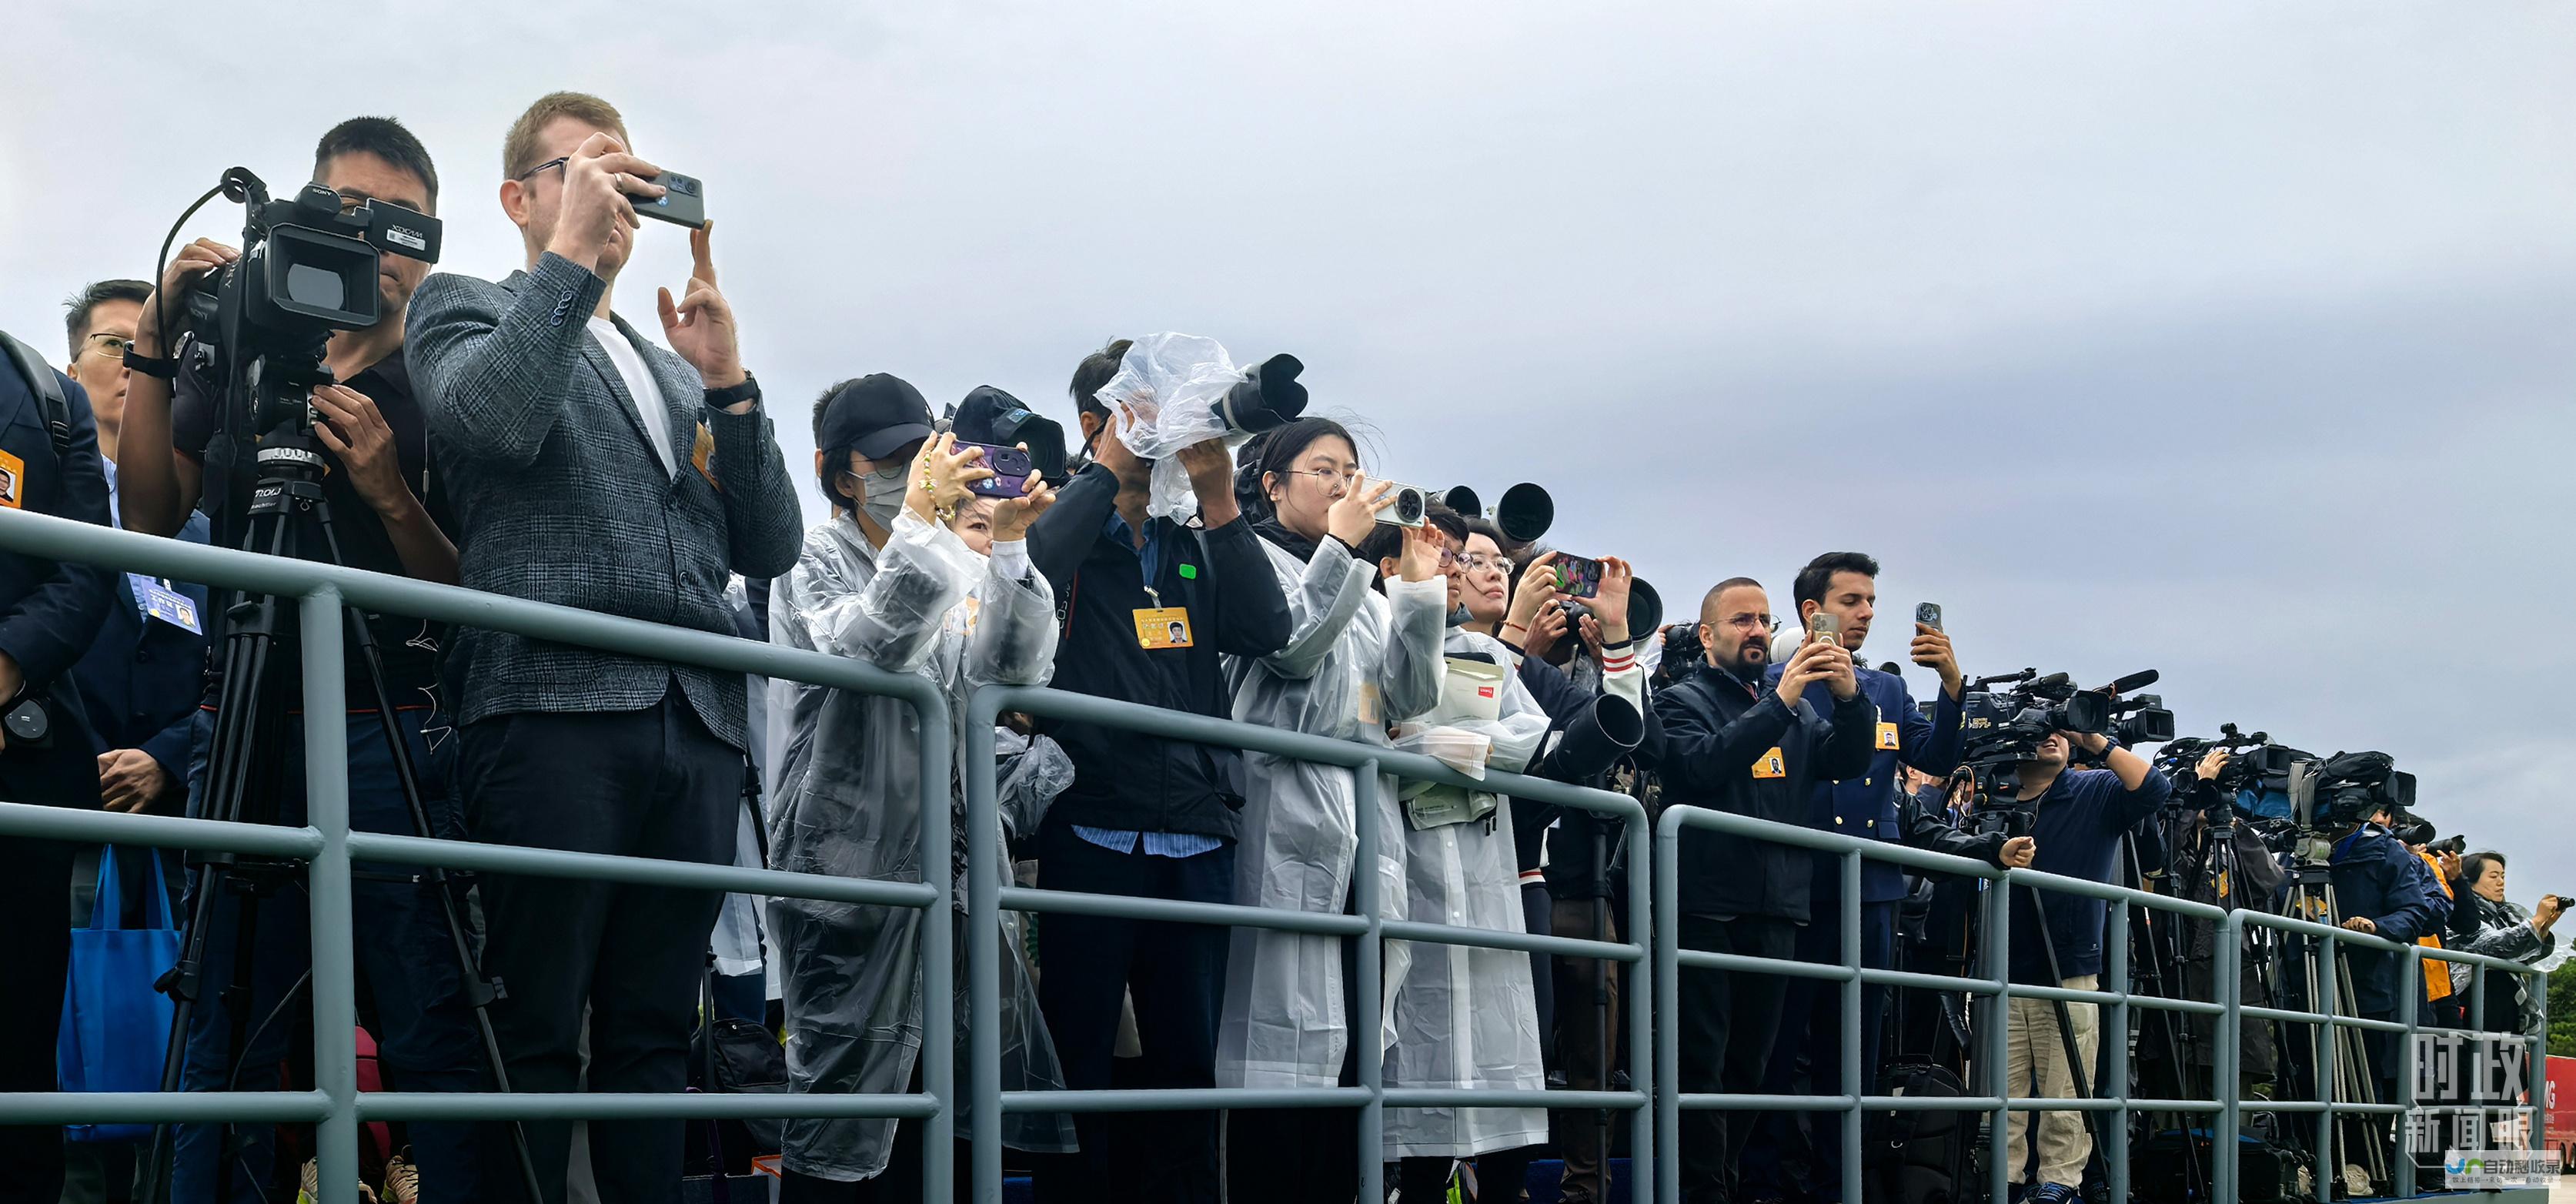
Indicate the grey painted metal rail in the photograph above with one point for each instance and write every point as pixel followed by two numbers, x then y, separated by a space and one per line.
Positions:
pixel 1652 951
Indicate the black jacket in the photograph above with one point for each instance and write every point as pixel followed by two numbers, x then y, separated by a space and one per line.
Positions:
pixel 1125 781
pixel 1716 734
pixel 50 612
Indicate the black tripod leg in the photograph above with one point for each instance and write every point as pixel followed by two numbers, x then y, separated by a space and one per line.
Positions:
pixel 479 991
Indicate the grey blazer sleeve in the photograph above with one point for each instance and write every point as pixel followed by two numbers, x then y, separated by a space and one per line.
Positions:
pixel 495 367
pixel 762 515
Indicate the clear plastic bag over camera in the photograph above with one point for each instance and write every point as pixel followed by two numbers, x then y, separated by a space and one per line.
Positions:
pixel 1170 385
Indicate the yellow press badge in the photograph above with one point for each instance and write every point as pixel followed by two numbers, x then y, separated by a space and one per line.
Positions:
pixel 1887 738
pixel 13 481
pixel 1163 627
pixel 1771 764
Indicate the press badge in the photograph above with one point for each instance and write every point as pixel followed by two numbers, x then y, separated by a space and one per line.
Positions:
pixel 13 481
pixel 1887 738
pixel 1771 764
pixel 1163 627
pixel 164 603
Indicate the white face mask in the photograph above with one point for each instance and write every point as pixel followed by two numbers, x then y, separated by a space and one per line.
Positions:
pixel 885 489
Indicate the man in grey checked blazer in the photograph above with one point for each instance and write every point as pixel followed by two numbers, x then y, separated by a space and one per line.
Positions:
pixel 592 468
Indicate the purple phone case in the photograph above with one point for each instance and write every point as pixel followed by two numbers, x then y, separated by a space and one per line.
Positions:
pixel 1011 469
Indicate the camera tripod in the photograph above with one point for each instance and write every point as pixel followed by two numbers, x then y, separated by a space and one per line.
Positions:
pixel 288 517
pixel 2311 896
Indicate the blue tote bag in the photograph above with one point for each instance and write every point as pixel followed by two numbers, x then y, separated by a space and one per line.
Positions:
pixel 115 1026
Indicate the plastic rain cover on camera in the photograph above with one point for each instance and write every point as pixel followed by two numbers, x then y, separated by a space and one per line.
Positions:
pixel 1169 386
pixel 1353 657
pixel 849 795
pixel 1459 1017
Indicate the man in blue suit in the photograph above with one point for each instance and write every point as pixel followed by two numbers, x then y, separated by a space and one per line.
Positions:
pixel 49 616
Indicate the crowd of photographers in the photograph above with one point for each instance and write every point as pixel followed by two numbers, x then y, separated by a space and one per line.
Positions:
pixel 1207 550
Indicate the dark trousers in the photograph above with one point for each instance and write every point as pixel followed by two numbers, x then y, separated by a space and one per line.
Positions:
pixel 1810 1046
pixel 1728 1020
pixel 35 946
pixel 406 963
pixel 1501 1177
pixel 648 783
pixel 1580 1046
pixel 1176 974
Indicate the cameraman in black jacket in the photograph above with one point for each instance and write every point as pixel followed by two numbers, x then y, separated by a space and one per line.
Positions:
pixel 1728 745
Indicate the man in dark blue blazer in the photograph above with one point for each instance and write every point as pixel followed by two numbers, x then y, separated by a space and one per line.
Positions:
pixel 49 616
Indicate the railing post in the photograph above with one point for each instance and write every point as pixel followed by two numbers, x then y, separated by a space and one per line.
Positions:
pixel 2225 1080
pixel 1368 991
pixel 1998 1050
pixel 2114 1034
pixel 335 980
pixel 1667 986
pixel 2410 1002
pixel 1645 979
pixel 938 956
pixel 983 953
pixel 1854 1073
pixel 2329 1058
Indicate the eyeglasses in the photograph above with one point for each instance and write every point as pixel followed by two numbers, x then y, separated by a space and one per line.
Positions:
pixel 113 345
pixel 548 165
pixel 1476 562
pixel 1754 622
pixel 1328 477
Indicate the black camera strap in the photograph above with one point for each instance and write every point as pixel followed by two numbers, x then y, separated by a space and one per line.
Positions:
pixel 49 393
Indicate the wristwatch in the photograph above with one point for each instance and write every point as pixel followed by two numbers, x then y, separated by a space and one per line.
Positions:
pixel 734 395
pixel 166 369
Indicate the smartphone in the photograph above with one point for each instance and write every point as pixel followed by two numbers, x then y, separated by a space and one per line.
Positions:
pixel 1928 614
pixel 682 203
pixel 1011 471
pixel 1824 626
pixel 1577 577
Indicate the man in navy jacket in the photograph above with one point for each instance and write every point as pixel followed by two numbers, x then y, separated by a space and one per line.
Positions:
pixel 1728 744
pixel 1844 584
pixel 2382 889
pixel 49 616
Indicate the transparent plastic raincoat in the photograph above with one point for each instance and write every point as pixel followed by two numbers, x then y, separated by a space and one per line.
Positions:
pixel 848 803
pixel 1459 1017
pixel 1355 657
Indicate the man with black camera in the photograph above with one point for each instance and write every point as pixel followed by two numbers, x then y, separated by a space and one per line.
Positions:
pixel 1727 743
pixel 2077 817
pixel 49 614
pixel 181 450
pixel 1145 816
pixel 594 469
pixel 2382 889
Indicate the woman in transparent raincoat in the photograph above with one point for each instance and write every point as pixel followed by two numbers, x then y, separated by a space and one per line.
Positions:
pixel 1462 1017
pixel 1356 657
pixel 886 581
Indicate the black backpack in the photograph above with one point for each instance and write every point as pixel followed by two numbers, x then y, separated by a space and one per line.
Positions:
pixel 48 388
pixel 1918 1157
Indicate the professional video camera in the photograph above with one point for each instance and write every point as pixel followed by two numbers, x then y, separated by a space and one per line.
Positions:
pixel 2141 719
pixel 2002 729
pixel 257 329
pixel 2347 788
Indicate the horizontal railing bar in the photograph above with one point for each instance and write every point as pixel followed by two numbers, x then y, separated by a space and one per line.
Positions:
pixel 2311 928
pixel 647 1105
pixel 1299 746
pixel 1182 1099
pixel 1518 941
pixel 35 822
pixel 2288 1017
pixel 1922 981
pixel 641 871
pixel 1948 1103
pixel 1138 907
pixel 1455 1097
pixel 153 1107
pixel 1701 959
pixel 2109 998
pixel 53 538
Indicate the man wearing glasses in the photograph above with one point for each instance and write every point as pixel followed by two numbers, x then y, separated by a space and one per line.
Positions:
pixel 176 454
pixel 598 470
pixel 1729 744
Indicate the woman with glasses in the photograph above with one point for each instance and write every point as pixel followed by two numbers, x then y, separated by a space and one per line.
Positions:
pixel 1357 658
pixel 2501 929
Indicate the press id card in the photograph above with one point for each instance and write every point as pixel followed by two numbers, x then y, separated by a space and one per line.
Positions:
pixel 1771 764
pixel 166 604
pixel 1887 741
pixel 1163 627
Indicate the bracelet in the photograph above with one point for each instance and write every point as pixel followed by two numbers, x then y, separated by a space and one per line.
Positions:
pixel 1508 625
pixel 167 368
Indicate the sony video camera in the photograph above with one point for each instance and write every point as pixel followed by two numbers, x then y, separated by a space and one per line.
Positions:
pixel 2004 728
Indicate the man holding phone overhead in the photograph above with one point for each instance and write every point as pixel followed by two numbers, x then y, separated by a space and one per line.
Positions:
pixel 594 469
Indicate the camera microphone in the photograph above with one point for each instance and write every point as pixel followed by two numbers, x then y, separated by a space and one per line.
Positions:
pixel 2143 677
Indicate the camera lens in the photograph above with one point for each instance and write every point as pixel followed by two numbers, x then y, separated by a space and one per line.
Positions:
pixel 1408 504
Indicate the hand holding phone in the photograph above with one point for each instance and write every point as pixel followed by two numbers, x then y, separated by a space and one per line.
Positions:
pixel 1928 614
pixel 1578 577
pixel 1011 469
pixel 683 201
pixel 1825 627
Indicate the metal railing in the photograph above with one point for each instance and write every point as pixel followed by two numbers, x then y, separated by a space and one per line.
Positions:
pixel 1652 950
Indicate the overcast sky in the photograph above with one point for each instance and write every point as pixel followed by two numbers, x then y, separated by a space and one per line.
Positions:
pixel 2231 340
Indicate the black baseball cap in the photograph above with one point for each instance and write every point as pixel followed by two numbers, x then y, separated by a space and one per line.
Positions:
pixel 874 416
